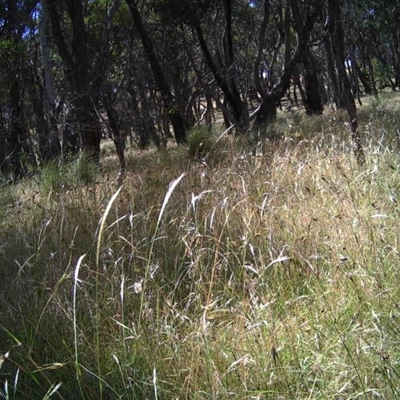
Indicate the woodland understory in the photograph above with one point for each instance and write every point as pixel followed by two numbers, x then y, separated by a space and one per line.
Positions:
pixel 75 71
pixel 199 199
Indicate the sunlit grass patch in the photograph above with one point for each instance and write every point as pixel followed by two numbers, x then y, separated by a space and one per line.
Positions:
pixel 266 274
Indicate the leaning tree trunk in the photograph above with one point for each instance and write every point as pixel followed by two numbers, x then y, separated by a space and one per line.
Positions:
pixel 175 117
pixel 237 107
pixel 337 38
pixel 303 27
pixel 117 134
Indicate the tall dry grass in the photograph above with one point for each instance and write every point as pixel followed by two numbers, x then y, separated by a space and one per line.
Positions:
pixel 267 270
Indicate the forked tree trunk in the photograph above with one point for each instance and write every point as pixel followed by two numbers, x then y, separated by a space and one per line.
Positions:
pixel 268 109
pixel 237 107
pixel 175 117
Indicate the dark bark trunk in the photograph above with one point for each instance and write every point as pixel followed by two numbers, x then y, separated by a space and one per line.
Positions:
pixel 237 107
pixel 225 114
pixel 267 111
pixel 355 87
pixel 372 76
pixel 77 74
pixel 230 65
pixel 363 78
pixel 209 112
pixel 313 98
pixel 337 37
pixel 87 117
pixel 176 119
pixel 183 98
pixel 117 134
pixel 334 81
pixel 49 140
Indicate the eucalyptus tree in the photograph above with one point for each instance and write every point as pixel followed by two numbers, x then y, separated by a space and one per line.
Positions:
pixel 15 147
pixel 212 25
pixel 336 34
pixel 377 39
pixel 159 75
pixel 222 64
pixel 386 18
pixel 303 17
pixel 49 142
pixel 71 37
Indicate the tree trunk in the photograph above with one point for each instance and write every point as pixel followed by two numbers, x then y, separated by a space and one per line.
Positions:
pixel 313 98
pixel 363 78
pixel 50 143
pixel 77 74
pixel 337 38
pixel 330 61
pixel 117 134
pixel 237 107
pixel 172 108
pixel 244 122
pixel 267 111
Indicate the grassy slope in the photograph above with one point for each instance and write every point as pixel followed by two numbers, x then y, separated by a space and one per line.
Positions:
pixel 274 276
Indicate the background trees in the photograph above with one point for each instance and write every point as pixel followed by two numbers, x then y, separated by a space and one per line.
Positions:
pixel 73 71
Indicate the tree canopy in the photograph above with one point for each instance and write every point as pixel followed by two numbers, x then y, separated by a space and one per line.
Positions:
pixel 75 71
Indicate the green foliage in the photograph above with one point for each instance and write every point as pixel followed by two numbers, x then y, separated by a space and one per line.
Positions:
pixel 56 176
pixel 200 142
pixel 383 72
pixel 83 170
pixel 9 48
pixel 52 178
pixel 7 199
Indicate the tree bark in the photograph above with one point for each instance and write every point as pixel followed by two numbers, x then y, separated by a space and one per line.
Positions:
pixel 77 74
pixel 268 109
pixel 237 107
pixel 336 33
pixel 51 147
pixel 313 103
pixel 176 119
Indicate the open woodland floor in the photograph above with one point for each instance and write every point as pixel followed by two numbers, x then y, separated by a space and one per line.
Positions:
pixel 269 271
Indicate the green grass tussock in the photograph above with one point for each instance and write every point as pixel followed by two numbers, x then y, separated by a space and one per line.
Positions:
pixel 266 271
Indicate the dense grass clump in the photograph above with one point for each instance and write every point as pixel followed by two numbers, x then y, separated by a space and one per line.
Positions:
pixel 264 274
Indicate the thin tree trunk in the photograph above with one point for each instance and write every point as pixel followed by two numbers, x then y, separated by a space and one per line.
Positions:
pixel 297 82
pixel 237 107
pixel 51 147
pixel 337 37
pixel 268 109
pixel 313 98
pixel 176 119
pixel 77 73
pixel 330 61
